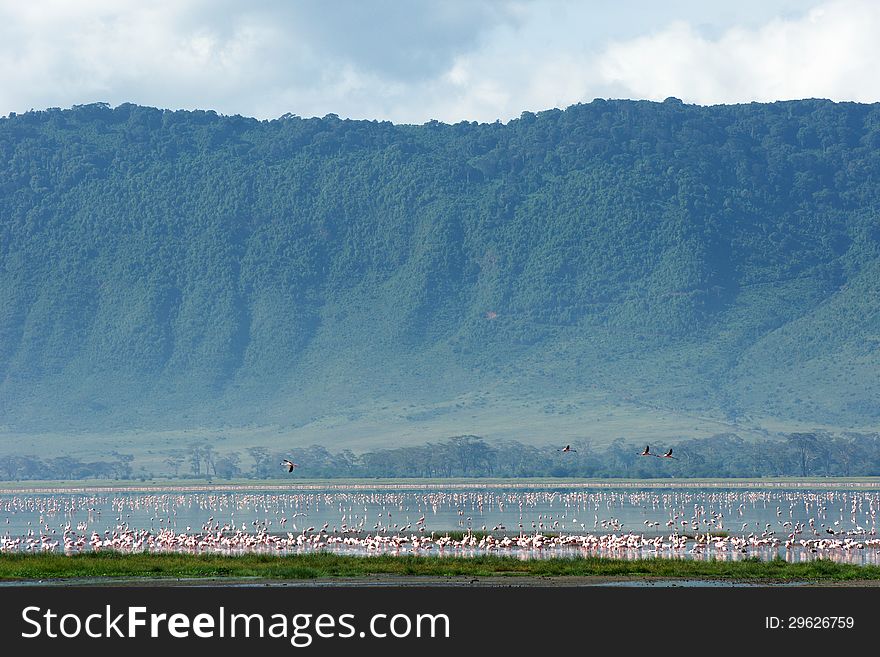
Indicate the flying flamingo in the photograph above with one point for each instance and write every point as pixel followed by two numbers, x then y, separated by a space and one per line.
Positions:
pixel 668 455
pixel 647 451
pixel 568 448
pixel 290 465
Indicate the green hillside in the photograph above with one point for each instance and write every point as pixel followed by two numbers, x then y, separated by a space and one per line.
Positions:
pixel 717 268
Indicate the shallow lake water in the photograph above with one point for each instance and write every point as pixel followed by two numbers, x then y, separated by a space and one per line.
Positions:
pixel 799 524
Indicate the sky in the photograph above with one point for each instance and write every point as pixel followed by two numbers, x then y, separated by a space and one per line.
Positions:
pixel 411 61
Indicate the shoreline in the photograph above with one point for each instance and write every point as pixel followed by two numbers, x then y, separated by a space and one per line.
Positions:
pixel 406 581
pixel 433 581
pixel 74 487
pixel 327 568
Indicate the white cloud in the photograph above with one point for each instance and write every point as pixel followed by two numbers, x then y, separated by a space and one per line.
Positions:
pixel 831 52
pixel 414 60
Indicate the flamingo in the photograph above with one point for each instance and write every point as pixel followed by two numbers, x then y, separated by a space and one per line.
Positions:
pixel 568 448
pixel 290 465
pixel 647 451
pixel 668 455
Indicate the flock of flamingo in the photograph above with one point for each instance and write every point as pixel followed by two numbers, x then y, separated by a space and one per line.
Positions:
pixel 799 525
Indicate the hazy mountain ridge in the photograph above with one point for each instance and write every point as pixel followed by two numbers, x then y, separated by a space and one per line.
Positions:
pixel 161 269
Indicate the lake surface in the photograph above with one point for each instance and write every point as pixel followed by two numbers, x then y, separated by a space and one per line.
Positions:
pixel 799 524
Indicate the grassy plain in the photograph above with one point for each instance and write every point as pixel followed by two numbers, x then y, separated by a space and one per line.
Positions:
pixel 328 566
pixel 593 417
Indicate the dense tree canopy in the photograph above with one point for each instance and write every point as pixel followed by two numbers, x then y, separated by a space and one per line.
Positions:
pixel 160 268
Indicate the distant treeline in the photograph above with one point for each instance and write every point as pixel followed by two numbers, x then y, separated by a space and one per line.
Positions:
pixel 721 455
pixel 65 467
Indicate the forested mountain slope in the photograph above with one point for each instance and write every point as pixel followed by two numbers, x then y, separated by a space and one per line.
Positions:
pixel 161 269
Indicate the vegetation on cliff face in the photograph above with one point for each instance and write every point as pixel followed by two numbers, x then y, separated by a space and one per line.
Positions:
pixel 163 269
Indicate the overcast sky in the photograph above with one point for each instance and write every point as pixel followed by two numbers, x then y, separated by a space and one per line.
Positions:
pixel 410 61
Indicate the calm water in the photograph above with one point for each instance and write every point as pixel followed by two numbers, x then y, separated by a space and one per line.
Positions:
pixel 41 521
